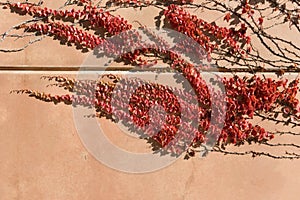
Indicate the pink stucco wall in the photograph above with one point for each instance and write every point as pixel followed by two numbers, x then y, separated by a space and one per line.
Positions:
pixel 42 156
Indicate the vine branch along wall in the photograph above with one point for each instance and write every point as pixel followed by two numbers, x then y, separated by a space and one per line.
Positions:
pixel 243 38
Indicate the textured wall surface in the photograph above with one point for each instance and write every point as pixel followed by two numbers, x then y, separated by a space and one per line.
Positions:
pixel 42 156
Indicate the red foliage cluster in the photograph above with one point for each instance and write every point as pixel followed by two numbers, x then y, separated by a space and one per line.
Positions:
pixel 289 101
pixel 70 33
pixel 244 97
pixel 209 36
pixel 95 16
pixel 246 9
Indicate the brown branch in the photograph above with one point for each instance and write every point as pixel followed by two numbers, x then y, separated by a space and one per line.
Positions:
pixel 254 154
pixel 22 48
pixel 281 144
pixel 287 133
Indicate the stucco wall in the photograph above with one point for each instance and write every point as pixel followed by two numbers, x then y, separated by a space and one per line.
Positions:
pixel 42 156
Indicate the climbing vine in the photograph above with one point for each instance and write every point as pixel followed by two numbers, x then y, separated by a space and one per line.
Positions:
pixel 243 39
